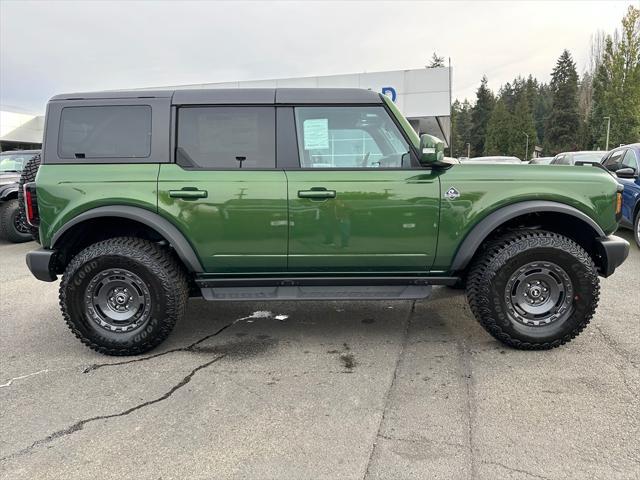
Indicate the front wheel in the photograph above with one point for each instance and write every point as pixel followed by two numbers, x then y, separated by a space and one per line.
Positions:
pixel 533 290
pixel 123 296
pixel 636 228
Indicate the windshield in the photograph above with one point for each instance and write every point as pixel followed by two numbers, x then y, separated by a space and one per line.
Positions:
pixel 493 160
pixel 14 162
pixel 594 157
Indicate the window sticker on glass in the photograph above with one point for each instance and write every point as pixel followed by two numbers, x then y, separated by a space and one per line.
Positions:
pixel 316 133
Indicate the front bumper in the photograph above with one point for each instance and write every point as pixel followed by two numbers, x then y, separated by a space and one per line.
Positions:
pixel 41 262
pixel 612 251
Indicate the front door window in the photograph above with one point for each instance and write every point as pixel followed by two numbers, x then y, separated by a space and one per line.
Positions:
pixel 349 137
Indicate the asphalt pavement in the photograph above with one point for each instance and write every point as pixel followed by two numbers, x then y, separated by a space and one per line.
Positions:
pixel 333 390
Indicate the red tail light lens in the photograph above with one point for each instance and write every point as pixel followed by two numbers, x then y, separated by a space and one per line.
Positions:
pixel 30 204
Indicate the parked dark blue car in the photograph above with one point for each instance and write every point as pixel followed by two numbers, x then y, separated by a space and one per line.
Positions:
pixel 625 163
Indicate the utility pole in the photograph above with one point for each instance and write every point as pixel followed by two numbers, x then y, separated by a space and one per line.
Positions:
pixel 606 147
pixel 526 151
pixel 468 150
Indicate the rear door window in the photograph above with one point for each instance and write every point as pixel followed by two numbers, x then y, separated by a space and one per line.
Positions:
pixel 117 131
pixel 226 138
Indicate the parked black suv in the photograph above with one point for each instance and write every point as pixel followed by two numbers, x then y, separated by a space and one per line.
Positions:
pixel 12 223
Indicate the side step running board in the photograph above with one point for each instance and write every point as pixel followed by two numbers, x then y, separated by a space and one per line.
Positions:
pixel 328 292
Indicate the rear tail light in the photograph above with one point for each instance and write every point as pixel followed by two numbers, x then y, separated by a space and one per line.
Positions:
pixel 31 204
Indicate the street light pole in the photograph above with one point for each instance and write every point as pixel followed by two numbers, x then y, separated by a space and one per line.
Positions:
pixel 526 152
pixel 606 147
pixel 468 150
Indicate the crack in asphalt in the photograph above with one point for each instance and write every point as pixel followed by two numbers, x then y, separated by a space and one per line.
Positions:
pixel 616 347
pixel 465 360
pixel 422 441
pixel 192 347
pixel 21 377
pixel 188 348
pixel 622 353
pixel 403 345
pixel 76 427
pixel 517 470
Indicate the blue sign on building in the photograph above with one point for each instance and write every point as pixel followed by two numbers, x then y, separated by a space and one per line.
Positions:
pixel 390 92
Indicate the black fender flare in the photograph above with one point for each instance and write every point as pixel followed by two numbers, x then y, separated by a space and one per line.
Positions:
pixel 488 224
pixel 161 225
pixel 7 191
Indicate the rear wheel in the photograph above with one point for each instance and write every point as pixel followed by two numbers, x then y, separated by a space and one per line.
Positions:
pixel 533 289
pixel 123 296
pixel 12 228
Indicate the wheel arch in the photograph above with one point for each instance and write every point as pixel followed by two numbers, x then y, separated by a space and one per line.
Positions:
pixel 558 217
pixel 125 218
pixel 9 193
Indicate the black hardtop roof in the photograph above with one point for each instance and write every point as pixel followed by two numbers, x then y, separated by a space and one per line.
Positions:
pixel 239 96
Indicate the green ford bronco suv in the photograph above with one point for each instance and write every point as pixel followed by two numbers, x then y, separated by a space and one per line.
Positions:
pixel 145 198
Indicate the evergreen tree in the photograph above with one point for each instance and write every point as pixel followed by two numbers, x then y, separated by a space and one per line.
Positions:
pixel 436 61
pixel 523 126
pixel 531 92
pixel 541 110
pixel 616 85
pixel 563 123
pixel 455 111
pixel 585 100
pixel 508 94
pixel 500 131
pixel 480 115
pixel 461 128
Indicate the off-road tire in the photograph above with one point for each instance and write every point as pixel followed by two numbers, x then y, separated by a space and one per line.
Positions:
pixel 636 228
pixel 161 275
pixel 28 175
pixel 9 218
pixel 488 289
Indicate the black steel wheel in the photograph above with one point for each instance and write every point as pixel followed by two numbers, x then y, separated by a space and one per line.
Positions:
pixel 117 300
pixel 123 296
pixel 538 294
pixel 533 289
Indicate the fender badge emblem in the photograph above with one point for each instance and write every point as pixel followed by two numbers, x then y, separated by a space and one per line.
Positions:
pixel 452 193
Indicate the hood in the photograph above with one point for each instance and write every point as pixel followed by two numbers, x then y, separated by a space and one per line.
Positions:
pixel 9 177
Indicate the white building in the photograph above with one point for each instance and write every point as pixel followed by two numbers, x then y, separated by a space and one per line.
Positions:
pixel 20 130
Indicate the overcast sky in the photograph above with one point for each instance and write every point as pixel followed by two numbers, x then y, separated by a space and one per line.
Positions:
pixel 54 47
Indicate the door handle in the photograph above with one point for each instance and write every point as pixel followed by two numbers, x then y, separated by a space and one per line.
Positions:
pixel 188 193
pixel 317 193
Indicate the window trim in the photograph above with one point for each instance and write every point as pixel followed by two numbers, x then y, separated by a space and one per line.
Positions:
pixel 175 121
pixel 61 130
pixel 414 164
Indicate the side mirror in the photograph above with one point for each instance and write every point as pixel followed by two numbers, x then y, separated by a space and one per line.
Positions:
pixel 431 149
pixel 626 172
